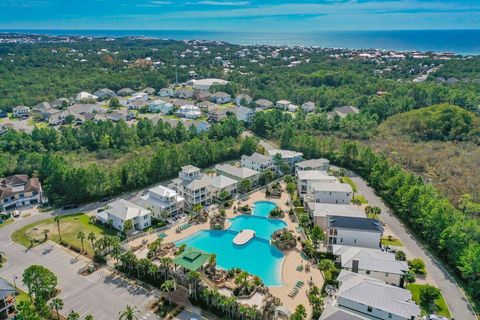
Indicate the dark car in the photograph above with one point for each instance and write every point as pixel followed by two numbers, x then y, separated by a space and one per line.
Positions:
pixel 3 114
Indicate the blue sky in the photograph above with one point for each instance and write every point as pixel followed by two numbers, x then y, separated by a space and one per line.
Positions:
pixel 240 15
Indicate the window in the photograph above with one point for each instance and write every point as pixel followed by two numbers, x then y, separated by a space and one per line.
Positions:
pixel 369 309
pixel 389 316
pixel 354 240
pixel 386 274
pixel 22 195
pixel 341 240
pixel 367 272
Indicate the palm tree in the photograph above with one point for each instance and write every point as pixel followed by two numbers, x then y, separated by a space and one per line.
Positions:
pixel 326 266
pixel 73 316
pixel 45 234
pixel 57 219
pixel 193 277
pixel 166 287
pixel 92 237
pixel 81 237
pixel 129 313
pixel 57 304
pixel 89 317
pixel 165 262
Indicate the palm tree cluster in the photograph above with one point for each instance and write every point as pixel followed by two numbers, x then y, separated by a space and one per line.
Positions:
pixel 230 308
pixel 144 269
pixel 106 245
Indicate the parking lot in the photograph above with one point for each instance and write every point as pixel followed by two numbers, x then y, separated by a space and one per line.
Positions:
pixel 102 294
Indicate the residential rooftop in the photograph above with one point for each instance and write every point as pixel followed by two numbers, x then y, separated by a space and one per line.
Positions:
pixel 377 294
pixel 355 223
pixel 239 172
pixel 327 209
pixel 331 187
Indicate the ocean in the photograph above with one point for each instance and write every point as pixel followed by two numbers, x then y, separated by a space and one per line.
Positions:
pixel 465 42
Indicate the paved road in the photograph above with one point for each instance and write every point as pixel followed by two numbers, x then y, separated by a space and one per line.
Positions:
pixel 454 296
pixel 102 294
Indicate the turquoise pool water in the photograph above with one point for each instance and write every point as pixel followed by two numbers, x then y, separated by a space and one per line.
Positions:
pixel 263 208
pixel 257 257
pixel 263 227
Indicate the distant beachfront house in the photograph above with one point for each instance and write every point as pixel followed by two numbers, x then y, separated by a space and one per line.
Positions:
pixel 163 201
pixel 184 93
pixel 308 107
pixel 104 94
pixel 189 112
pixel 121 211
pixel 202 96
pixel 220 97
pixel 205 84
pixel 244 114
pixel 353 231
pixel 85 96
pixel 21 112
pixel 292 107
pixel 166 92
pixel 263 104
pixel 125 92
pixel 219 113
pixel 344 111
pixel 159 105
pixel 282 104
pixel 243 100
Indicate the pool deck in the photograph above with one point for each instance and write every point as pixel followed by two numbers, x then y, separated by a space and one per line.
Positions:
pixel 292 260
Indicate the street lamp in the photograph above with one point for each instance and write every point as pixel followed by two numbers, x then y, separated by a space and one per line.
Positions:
pixel 14 282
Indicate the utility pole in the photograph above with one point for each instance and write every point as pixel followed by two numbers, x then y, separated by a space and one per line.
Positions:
pixel 176 70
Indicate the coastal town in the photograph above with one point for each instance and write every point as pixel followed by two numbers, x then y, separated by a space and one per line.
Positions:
pixel 232 215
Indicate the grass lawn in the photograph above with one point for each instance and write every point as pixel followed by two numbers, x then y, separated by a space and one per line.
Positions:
pixel 6 222
pixel 22 296
pixel 441 306
pixel 69 227
pixel 360 198
pixel 350 182
pixel 391 242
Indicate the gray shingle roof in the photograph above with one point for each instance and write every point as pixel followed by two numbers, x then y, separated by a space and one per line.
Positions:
pixel 355 223
pixel 239 172
pixel 313 163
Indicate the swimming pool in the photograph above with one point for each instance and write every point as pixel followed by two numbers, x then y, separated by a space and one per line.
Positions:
pixel 257 257
pixel 263 227
pixel 263 208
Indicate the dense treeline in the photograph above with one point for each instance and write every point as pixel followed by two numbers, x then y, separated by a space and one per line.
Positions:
pixel 441 123
pixel 101 135
pixel 47 153
pixel 460 69
pixel 276 124
pixel 454 235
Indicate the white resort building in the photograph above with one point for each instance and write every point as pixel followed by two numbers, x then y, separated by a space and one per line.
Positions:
pixel 353 231
pixel 374 263
pixel 194 186
pixel 307 179
pixel 362 297
pixel 164 202
pixel 257 162
pixel 120 211
pixel 319 212
pixel 327 192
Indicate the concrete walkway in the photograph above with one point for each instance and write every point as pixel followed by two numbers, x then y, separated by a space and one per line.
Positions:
pixel 453 294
